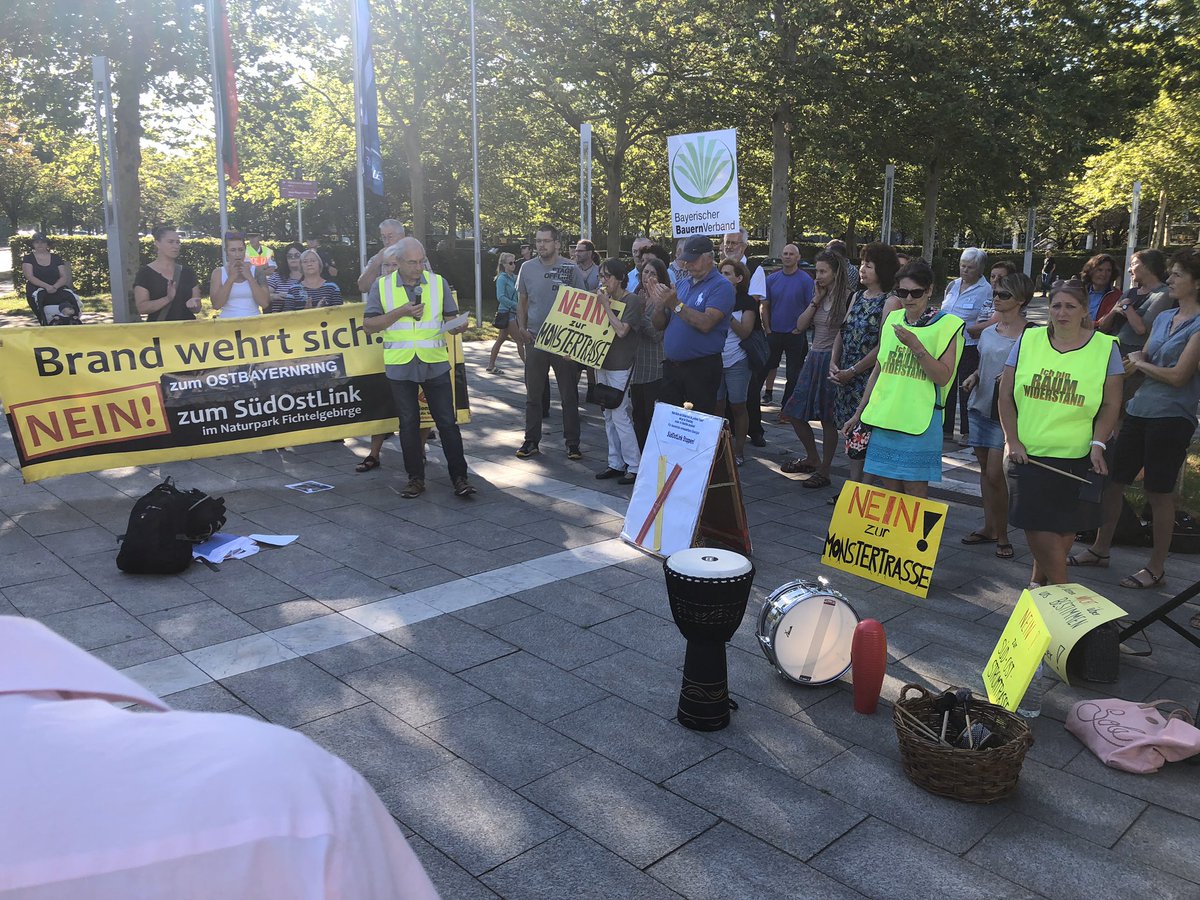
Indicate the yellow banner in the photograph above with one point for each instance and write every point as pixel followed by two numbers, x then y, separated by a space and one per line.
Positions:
pixel 577 327
pixel 88 398
pixel 1070 611
pixel 1013 663
pixel 886 537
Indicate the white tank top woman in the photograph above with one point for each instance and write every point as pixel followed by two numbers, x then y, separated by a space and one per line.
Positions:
pixel 241 302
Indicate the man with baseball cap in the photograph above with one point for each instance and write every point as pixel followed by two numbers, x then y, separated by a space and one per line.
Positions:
pixel 694 316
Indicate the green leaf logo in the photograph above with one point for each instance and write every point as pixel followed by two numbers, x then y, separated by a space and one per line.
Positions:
pixel 703 163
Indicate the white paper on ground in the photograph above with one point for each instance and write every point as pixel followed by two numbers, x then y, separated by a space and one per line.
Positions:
pixel 309 487
pixel 221 547
pixel 274 540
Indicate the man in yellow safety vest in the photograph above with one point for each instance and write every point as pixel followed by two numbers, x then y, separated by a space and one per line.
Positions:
pixel 258 254
pixel 407 309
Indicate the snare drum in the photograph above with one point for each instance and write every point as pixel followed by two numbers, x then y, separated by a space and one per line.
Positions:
pixel 806 629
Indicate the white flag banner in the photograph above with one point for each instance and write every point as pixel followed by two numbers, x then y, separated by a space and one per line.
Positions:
pixel 704 188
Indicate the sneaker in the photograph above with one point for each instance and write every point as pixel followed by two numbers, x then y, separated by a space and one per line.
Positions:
pixel 610 472
pixel 964 440
pixel 494 370
pixel 573 452
pixel 415 488
pixel 462 487
pixel 758 440
pixel 768 397
pixel 627 478
pixel 528 449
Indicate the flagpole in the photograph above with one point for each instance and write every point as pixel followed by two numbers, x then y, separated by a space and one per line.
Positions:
pixel 218 103
pixel 475 175
pixel 360 153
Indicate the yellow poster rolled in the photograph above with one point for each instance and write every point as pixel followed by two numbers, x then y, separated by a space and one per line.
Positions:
pixel 886 537
pixel 1070 611
pixel 95 397
pixel 577 327
pixel 1020 649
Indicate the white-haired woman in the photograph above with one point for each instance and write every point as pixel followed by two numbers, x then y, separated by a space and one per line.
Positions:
pixel 967 297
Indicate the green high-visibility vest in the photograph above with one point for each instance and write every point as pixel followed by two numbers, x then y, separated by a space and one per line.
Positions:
pixel 1058 394
pixel 904 397
pixel 407 337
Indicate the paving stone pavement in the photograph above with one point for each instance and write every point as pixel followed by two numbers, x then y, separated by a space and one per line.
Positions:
pixel 504 671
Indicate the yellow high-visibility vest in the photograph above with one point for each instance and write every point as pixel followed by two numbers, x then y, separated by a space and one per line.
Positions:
pixel 407 337
pixel 1058 394
pixel 904 397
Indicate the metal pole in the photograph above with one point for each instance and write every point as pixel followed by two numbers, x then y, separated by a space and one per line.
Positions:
pixel 300 221
pixel 210 9
pixel 102 97
pixel 475 177
pixel 360 152
pixel 585 181
pixel 889 188
pixel 1131 241
pixel 1030 238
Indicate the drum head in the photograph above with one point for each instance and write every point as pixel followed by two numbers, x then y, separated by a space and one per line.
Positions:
pixel 812 640
pixel 708 562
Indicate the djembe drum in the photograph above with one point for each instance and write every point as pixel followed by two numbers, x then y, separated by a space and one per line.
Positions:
pixel 708 589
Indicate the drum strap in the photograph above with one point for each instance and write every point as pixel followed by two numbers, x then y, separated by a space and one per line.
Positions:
pixel 818 638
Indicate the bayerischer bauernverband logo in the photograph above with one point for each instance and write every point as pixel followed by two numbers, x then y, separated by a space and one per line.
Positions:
pixel 707 166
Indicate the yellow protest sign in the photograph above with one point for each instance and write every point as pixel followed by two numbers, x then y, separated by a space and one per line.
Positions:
pixel 1020 649
pixel 886 537
pixel 1070 611
pixel 89 398
pixel 577 327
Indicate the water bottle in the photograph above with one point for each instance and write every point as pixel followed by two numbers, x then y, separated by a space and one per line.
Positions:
pixel 1031 703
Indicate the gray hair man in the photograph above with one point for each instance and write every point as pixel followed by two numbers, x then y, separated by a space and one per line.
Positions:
pixel 390 231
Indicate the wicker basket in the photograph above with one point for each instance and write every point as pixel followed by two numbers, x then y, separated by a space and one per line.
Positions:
pixel 974 776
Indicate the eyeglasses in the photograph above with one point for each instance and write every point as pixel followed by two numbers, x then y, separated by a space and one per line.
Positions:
pixel 1004 295
pixel 905 293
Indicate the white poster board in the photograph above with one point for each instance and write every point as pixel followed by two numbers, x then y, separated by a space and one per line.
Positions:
pixel 704 185
pixel 673 480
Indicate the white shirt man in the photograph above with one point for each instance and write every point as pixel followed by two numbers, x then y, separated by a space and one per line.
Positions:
pixel 390 231
pixel 733 246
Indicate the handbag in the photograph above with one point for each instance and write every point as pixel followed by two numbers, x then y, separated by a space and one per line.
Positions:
pixel 607 396
pixel 1134 737
pixel 502 318
pixel 757 350
pixel 857 441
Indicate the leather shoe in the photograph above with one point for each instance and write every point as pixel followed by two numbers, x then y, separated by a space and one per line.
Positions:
pixel 609 473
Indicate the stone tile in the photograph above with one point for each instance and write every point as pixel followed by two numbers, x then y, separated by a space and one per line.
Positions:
pixel 1053 745
pixel 487 535
pixel 706 868
pixel 1075 805
pixel 198 625
pixel 455 595
pixel 53 521
pixel 393 612
pixel 293 692
pixel 96 626
pixel 556 640
pixel 561 534
pixel 167 676
pixel 13 541
pixel 289 612
pixel 249 589
pixel 473 819
pixel 415 690
pixel 448 877
pixel 131 653
pixel 379 746
pixel 1064 866
pixel 207 697
pixel 282 519
pixel 240 655
pixel 533 686
pixel 81 541
pixel 647 634
pixel 835 716
pixel 606 579
pixel 509 746
pixel 22 568
pixel 512 579
pixel 461 558
pixel 647 744
pixel 1172 787
pixel 346 658
pixel 767 803
pixel 450 643
pixel 574 603
pixel 491 613
pixel 769 737
pixel 753 677
pixel 648 594
pixel 648 683
pixel 632 817
pixel 314 635
pixel 1166 840
pixel 293 564
pixel 418 578
pixel 572 866
pixel 345 588
pixel 880 860
pixel 53 595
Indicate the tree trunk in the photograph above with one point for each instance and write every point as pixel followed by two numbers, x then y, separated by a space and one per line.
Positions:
pixel 1159 237
pixel 612 204
pixel 452 215
pixel 782 123
pixel 933 180
pixel 129 81
pixel 416 179
pixel 851 241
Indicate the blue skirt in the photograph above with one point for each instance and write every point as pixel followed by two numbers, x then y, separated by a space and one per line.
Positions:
pixel 812 399
pixel 907 457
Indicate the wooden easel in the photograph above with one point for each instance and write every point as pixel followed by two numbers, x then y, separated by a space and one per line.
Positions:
pixel 723 510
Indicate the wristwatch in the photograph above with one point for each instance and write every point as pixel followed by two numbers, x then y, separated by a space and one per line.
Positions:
pixel 679 307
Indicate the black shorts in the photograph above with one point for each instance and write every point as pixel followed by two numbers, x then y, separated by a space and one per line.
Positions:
pixel 1159 446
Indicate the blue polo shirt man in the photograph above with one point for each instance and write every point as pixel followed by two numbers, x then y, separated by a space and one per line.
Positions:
pixel 694 319
pixel 789 293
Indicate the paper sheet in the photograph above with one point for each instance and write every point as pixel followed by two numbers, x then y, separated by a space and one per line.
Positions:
pixel 456 322
pixel 221 547
pixel 274 540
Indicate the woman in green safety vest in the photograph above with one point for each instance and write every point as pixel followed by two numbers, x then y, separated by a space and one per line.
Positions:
pixel 919 349
pixel 1060 396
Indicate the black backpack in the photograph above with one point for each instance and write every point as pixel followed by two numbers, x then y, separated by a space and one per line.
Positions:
pixel 164 525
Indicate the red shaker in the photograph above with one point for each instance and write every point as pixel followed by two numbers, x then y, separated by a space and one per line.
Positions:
pixel 868 661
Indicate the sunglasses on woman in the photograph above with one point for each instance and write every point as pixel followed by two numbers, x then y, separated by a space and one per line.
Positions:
pixel 1004 295
pixel 905 293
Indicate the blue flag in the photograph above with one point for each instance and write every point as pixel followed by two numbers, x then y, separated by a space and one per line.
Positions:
pixel 368 114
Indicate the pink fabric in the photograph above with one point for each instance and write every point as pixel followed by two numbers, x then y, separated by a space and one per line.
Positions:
pixel 109 804
pixel 1133 737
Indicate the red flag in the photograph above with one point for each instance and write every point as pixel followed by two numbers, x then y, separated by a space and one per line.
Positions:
pixel 227 87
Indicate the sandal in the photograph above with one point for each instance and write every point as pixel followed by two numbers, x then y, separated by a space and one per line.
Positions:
pixel 1096 562
pixel 368 463
pixel 797 467
pixel 1004 551
pixel 1136 583
pixel 978 537
pixel 816 480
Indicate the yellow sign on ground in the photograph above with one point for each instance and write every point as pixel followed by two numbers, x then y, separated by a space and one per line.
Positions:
pixel 1020 649
pixel 87 398
pixel 886 537
pixel 1070 611
pixel 577 327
